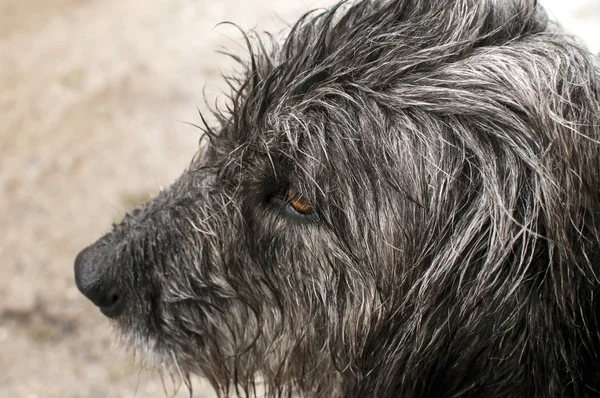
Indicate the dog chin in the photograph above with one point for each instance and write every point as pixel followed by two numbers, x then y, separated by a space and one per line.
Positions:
pixel 150 354
pixel 145 350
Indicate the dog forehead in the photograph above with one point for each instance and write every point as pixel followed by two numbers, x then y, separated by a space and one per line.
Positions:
pixel 339 87
pixel 330 59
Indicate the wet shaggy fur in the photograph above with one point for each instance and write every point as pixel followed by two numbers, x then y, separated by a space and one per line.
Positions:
pixel 401 200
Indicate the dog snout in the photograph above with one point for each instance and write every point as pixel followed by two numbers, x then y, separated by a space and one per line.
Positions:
pixel 96 278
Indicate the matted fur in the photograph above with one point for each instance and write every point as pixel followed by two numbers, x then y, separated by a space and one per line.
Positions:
pixel 449 150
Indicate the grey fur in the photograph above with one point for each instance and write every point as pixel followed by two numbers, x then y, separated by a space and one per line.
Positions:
pixel 449 150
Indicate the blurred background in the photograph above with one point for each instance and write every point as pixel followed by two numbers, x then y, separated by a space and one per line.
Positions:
pixel 93 95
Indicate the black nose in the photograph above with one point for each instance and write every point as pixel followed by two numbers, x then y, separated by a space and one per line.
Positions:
pixel 95 278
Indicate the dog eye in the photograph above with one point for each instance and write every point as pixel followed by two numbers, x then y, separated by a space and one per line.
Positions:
pixel 298 203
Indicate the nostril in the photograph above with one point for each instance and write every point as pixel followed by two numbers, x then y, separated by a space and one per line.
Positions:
pixel 113 304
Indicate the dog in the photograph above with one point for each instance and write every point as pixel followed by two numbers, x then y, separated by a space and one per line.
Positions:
pixel 401 199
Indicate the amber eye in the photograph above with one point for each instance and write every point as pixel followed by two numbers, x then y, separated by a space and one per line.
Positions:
pixel 300 204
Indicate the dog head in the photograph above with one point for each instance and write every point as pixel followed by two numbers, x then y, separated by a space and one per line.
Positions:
pixel 400 200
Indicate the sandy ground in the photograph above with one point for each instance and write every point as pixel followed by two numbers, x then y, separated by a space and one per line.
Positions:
pixel 92 98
